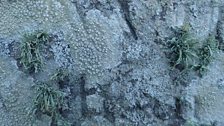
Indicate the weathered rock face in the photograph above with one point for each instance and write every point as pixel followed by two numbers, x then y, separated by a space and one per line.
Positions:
pixel 14 87
pixel 114 52
pixel 16 95
pixel 210 92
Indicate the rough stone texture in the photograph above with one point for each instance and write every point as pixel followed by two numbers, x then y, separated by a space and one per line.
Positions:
pixel 94 103
pixel 210 93
pixel 16 95
pixel 114 51
pixel 96 121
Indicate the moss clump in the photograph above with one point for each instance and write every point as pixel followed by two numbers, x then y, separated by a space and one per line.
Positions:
pixel 206 54
pixel 50 101
pixel 185 53
pixel 182 49
pixel 30 57
pixel 60 75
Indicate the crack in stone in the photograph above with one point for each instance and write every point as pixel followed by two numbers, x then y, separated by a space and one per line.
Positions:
pixel 125 8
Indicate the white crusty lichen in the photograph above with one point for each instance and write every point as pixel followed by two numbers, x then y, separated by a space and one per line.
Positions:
pixel 95 43
pixel 87 57
pixel 93 39
pixel 26 15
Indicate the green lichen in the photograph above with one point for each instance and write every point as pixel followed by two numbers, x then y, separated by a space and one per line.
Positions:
pixel 30 57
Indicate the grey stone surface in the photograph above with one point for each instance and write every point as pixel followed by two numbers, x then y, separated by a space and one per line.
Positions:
pixel 209 98
pixel 114 52
pixel 95 103
pixel 16 95
pixel 96 121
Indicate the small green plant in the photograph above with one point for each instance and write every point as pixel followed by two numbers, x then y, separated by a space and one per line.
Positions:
pixel 49 101
pixel 60 75
pixel 30 51
pixel 206 54
pixel 182 49
pixel 185 53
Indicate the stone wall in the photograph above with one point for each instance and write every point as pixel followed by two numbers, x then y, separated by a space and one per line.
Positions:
pixel 114 50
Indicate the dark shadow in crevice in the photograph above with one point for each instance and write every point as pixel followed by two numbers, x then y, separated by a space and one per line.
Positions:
pixel 126 13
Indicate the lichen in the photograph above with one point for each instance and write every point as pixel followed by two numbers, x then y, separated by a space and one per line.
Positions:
pixel 92 44
pixel 27 15
pixel 89 42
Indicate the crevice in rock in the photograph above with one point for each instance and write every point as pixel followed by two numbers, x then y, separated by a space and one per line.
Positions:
pixel 178 109
pixel 218 36
pixel 219 29
pixel 91 91
pixel 83 96
pixel 163 13
pixel 126 13
pixel 109 111
pixel 157 40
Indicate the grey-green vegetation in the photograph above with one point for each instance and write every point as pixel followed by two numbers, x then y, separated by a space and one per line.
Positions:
pixel 60 74
pixel 182 49
pixel 206 54
pixel 185 53
pixel 49 101
pixel 31 58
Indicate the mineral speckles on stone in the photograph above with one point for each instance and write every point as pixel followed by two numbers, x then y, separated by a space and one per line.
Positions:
pixel 90 61
pixel 96 121
pixel 15 95
pixel 209 103
pixel 39 14
pixel 4 46
pixel 134 52
pixel 45 10
pixel 61 50
pixel 86 56
pixel 209 96
pixel 98 37
pixel 95 103
pixel 91 44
